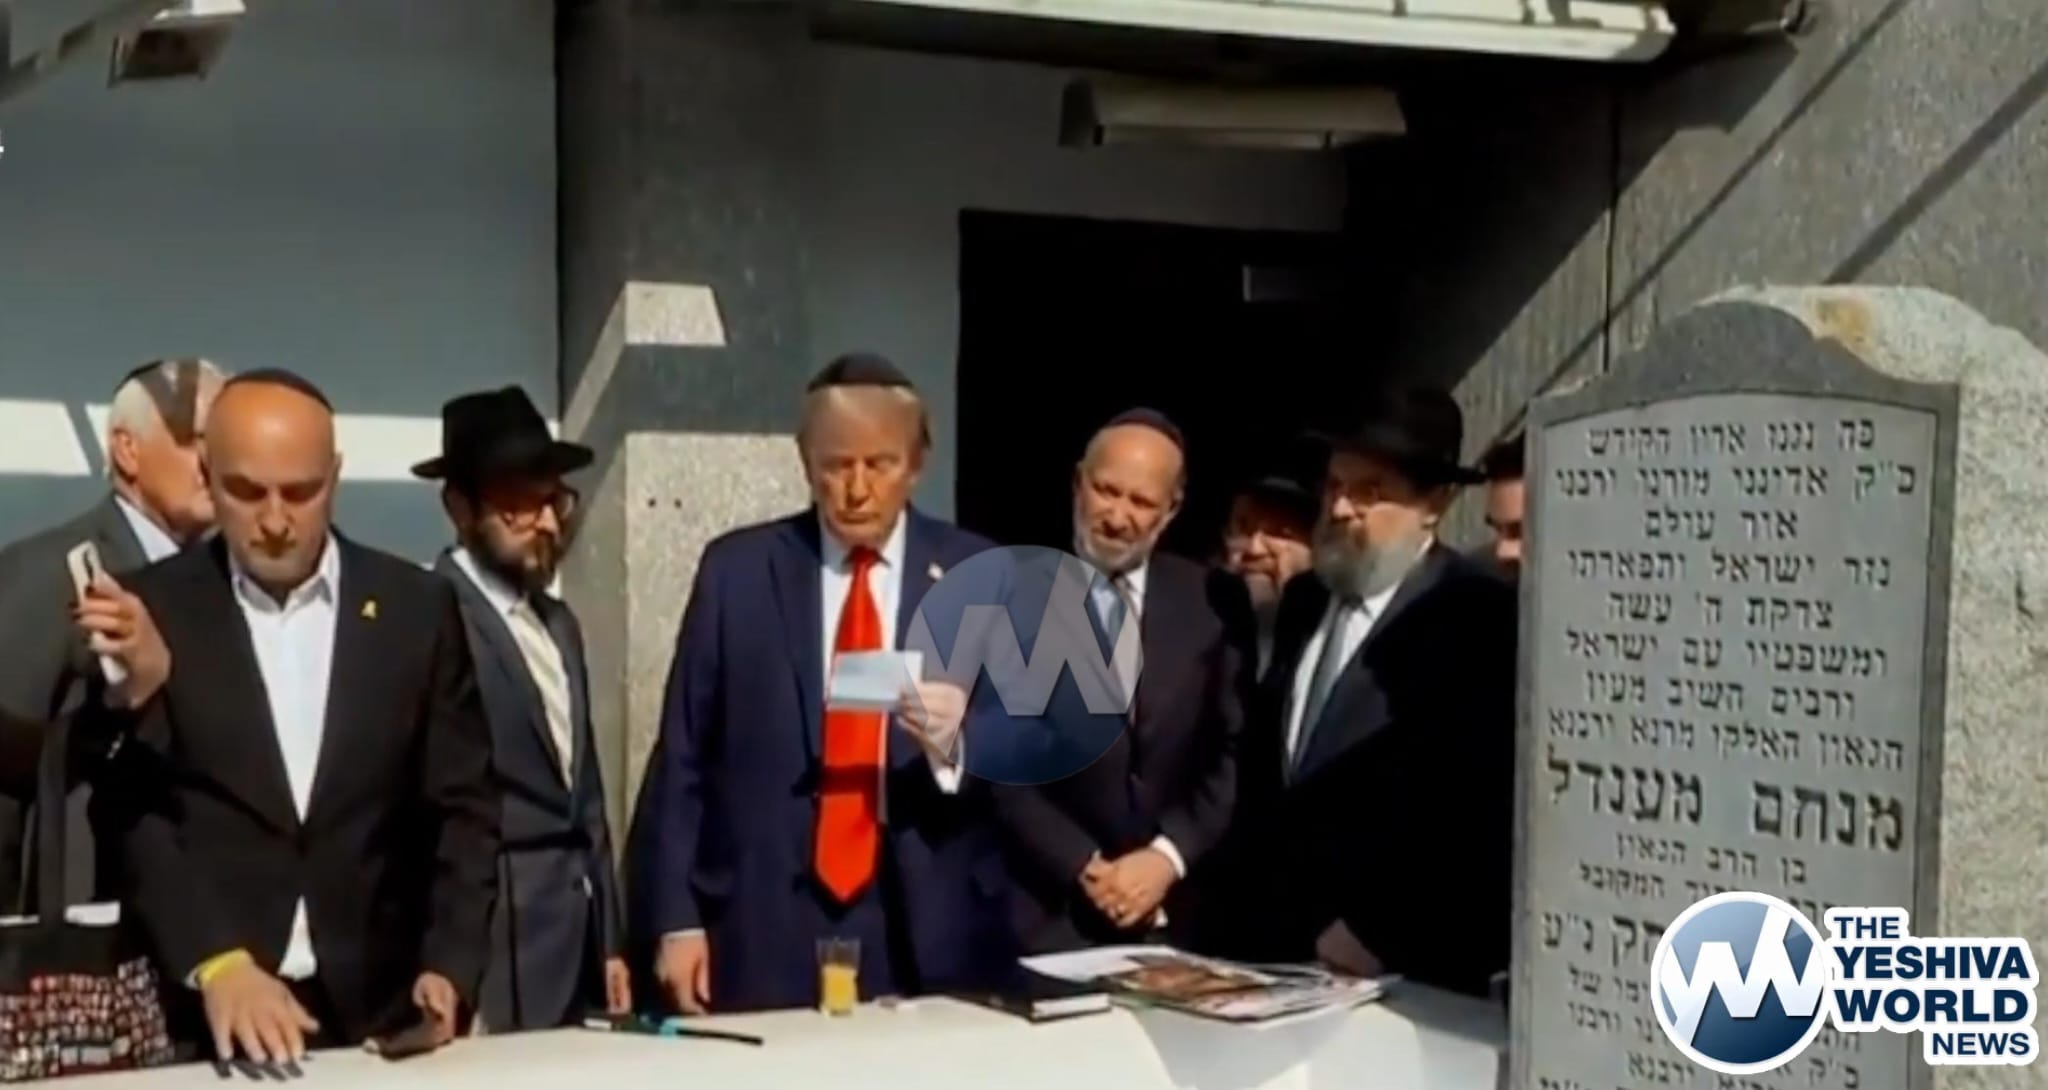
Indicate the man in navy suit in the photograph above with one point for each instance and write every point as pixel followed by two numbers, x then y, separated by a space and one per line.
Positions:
pixel 775 822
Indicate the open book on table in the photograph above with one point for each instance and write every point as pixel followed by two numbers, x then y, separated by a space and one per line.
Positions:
pixel 1162 976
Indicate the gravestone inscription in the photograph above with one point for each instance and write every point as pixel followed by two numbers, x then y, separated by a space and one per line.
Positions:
pixel 1733 642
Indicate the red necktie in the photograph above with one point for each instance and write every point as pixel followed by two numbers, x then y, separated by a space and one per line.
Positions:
pixel 848 830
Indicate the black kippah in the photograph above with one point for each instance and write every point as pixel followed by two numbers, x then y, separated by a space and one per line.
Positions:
pixel 278 376
pixel 858 369
pixel 1149 418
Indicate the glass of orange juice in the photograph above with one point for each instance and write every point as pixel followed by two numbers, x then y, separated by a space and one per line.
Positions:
pixel 838 975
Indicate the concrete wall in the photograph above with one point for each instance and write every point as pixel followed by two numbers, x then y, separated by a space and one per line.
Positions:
pixel 780 201
pixel 363 191
pixel 907 142
pixel 1901 141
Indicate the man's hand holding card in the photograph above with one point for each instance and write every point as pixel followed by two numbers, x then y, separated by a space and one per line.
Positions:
pixel 893 682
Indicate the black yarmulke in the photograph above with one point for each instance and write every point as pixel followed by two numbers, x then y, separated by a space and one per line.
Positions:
pixel 278 376
pixel 1149 418
pixel 858 369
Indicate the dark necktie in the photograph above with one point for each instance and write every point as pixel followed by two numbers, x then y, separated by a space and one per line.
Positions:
pixel 1329 664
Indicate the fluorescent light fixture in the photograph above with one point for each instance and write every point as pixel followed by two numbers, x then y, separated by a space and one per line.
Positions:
pixel 183 41
pixel 1598 30
pixel 1110 110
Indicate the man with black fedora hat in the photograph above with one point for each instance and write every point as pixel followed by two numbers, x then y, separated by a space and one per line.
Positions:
pixel 557 935
pixel 1266 543
pixel 1378 776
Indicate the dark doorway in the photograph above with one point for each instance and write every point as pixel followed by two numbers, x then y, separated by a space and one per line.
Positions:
pixel 1244 338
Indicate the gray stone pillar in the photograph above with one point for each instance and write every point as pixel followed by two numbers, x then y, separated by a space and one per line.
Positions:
pixel 683 338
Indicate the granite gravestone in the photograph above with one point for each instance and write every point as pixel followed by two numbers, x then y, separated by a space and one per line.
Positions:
pixel 1735 641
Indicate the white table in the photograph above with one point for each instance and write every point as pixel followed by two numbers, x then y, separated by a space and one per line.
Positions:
pixel 1415 1039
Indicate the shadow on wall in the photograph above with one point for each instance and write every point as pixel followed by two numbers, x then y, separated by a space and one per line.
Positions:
pixel 1503 193
pixel 53 462
pixel 362 191
pixel 401 517
pixel 1501 204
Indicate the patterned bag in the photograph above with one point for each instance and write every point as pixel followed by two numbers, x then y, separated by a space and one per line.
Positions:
pixel 76 995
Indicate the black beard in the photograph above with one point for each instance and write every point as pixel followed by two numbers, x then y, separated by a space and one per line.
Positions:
pixel 516 573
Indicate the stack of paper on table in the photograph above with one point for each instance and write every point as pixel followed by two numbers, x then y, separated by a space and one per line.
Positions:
pixel 1162 976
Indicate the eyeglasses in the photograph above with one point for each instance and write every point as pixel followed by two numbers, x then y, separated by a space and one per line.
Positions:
pixel 523 507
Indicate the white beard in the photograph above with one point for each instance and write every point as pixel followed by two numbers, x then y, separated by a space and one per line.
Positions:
pixel 1363 573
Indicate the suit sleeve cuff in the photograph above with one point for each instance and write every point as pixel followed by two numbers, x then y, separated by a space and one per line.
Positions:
pixel 948 773
pixel 1165 847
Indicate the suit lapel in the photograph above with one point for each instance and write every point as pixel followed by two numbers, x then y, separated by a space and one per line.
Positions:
pixel 795 579
pixel 358 635
pixel 1161 623
pixel 1339 726
pixel 237 680
pixel 119 549
pixel 499 651
pixel 920 560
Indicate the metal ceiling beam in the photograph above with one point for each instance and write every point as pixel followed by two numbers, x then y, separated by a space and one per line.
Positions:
pixel 119 18
pixel 1586 30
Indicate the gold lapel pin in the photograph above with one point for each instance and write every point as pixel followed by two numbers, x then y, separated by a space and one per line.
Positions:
pixel 369 609
pixel 935 573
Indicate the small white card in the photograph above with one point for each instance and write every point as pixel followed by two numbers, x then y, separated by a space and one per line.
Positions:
pixel 872 681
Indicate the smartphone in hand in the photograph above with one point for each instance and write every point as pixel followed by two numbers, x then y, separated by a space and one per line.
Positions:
pixel 84 562
pixel 86 569
pixel 416 1038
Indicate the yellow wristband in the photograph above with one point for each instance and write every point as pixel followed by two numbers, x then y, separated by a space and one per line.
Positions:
pixel 217 964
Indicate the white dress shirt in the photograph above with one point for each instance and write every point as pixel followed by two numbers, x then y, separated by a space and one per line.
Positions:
pixel 1103 598
pixel 537 646
pixel 1350 635
pixel 156 544
pixel 294 645
pixel 885 586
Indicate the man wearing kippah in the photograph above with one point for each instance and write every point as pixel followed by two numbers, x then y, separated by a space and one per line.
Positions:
pixel 1266 544
pixel 1100 849
pixel 156 504
pixel 775 822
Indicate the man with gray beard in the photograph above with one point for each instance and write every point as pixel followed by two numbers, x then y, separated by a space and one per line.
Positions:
pixel 1377 787
pixel 1266 544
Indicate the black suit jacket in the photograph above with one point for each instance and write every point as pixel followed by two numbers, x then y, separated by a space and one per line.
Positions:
pixel 394 856
pixel 46 669
pixel 1399 817
pixel 558 913
pixel 1172 773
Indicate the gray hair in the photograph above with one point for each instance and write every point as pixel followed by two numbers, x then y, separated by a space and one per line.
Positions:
pixel 161 393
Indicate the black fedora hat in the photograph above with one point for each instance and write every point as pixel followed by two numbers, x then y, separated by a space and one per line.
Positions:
pixel 499 432
pixel 1285 493
pixel 1419 429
